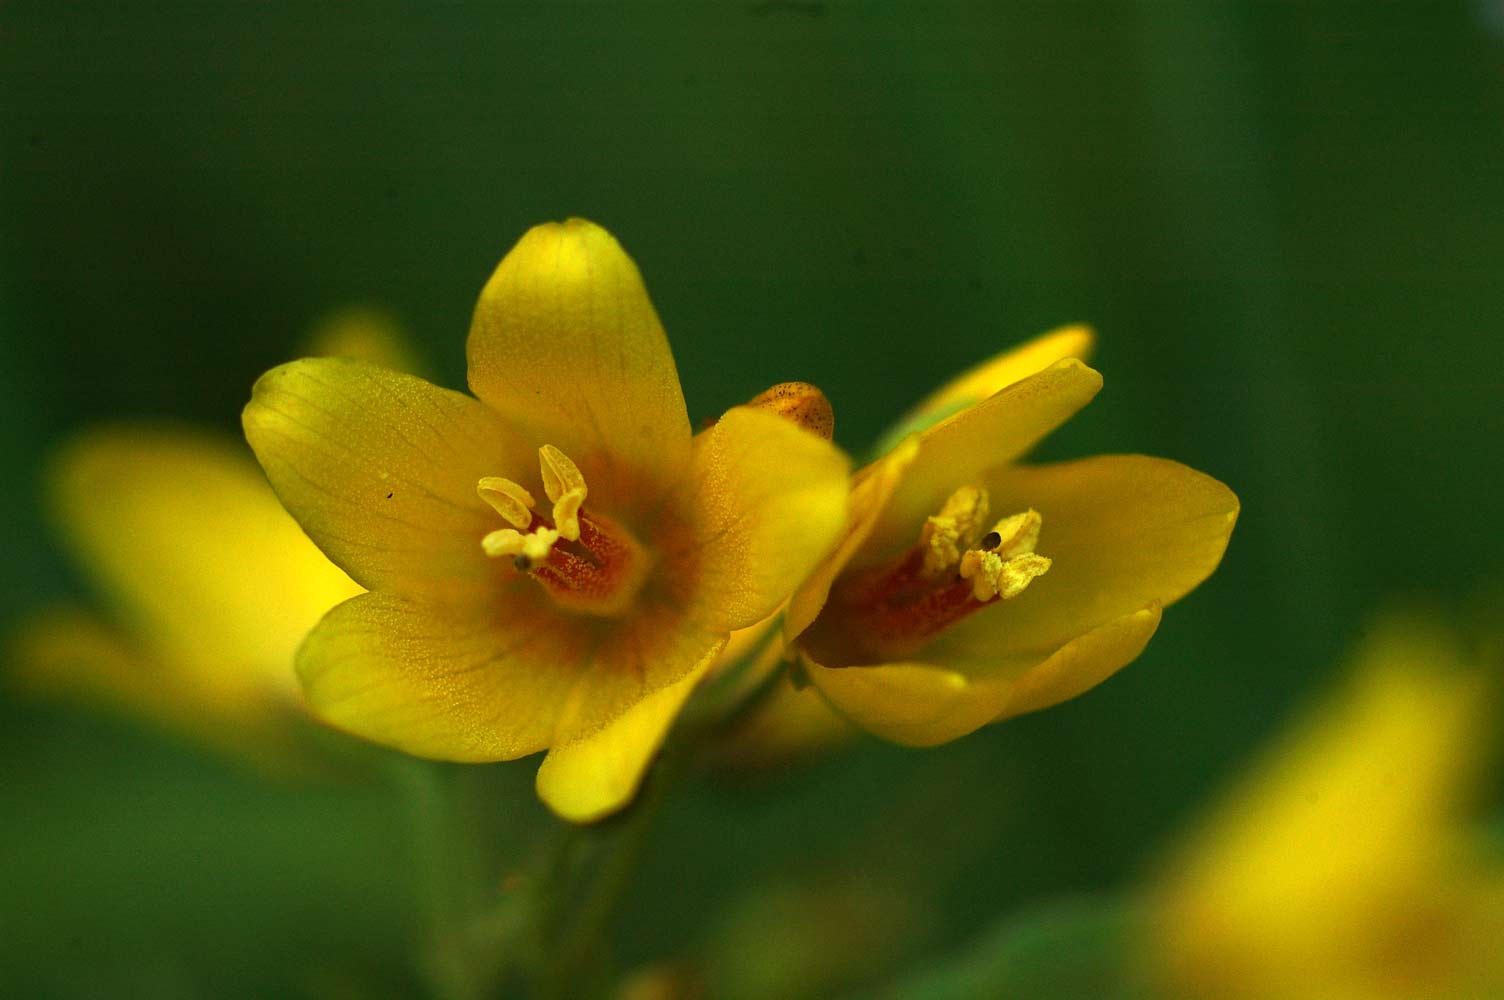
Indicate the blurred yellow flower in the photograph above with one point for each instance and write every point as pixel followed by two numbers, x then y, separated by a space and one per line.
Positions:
pixel 935 616
pixel 1340 869
pixel 501 624
pixel 364 333
pixel 210 584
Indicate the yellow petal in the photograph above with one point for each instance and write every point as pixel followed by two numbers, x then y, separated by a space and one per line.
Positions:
pixel 517 678
pixel 770 502
pixel 870 493
pixel 195 554
pixel 381 469
pixel 956 451
pixel 600 773
pixel 565 342
pixel 916 704
pixel 440 685
pixel 1124 531
pixel 1082 663
pixel 999 372
pixel 925 704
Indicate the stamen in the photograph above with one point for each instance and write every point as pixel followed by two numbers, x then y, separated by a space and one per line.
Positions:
pixel 511 501
pixel 992 576
pixel 1017 534
pixel 586 562
pixel 954 530
pixel 1008 565
pixel 535 545
pixel 894 609
pixel 560 475
pixel 566 490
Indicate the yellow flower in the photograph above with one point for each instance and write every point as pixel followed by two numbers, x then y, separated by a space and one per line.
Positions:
pixel 210 584
pixel 569 609
pixel 1341 869
pixel 968 589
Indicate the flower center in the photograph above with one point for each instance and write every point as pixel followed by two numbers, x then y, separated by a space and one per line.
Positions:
pixel 586 561
pixel 957 568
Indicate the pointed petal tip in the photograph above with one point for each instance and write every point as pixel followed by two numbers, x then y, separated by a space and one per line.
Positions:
pixel 591 778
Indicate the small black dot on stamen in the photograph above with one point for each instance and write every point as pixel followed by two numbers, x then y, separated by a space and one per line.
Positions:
pixel 990 541
pixel 523 563
pixel 388 496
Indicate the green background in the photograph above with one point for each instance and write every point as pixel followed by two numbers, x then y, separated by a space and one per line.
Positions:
pixel 1286 221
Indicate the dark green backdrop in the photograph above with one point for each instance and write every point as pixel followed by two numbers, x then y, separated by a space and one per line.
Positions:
pixel 1286 221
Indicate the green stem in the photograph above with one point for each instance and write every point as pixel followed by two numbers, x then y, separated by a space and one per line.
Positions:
pixel 593 867
pixel 468 937
pixel 439 869
pixel 473 939
pixel 599 864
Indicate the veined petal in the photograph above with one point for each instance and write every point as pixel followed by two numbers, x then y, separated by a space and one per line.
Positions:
pixel 600 773
pixel 195 554
pixel 566 343
pixel 380 470
pixel 870 493
pixel 992 375
pixel 771 501
pixel 435 684
pixel 956 451
pixel 515 678
pixel 1124 531
pixel 926 704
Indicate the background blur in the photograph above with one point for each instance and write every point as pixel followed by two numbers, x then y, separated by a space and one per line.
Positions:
pixel 1286 221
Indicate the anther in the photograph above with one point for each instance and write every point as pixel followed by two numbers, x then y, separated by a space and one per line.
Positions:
pixel 566 490
pixel 955 529
pixel 560 474
pixel 1018 534
pixel 508 499
pixel 535 545
pixel 1005 563
pixel 585 561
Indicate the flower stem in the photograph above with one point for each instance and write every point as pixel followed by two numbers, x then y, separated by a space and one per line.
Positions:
pixel 594 866
pixel 476 939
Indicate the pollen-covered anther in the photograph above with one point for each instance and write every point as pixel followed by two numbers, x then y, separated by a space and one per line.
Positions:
pixel 957 528
pixel 526 549
pixel 1005 563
